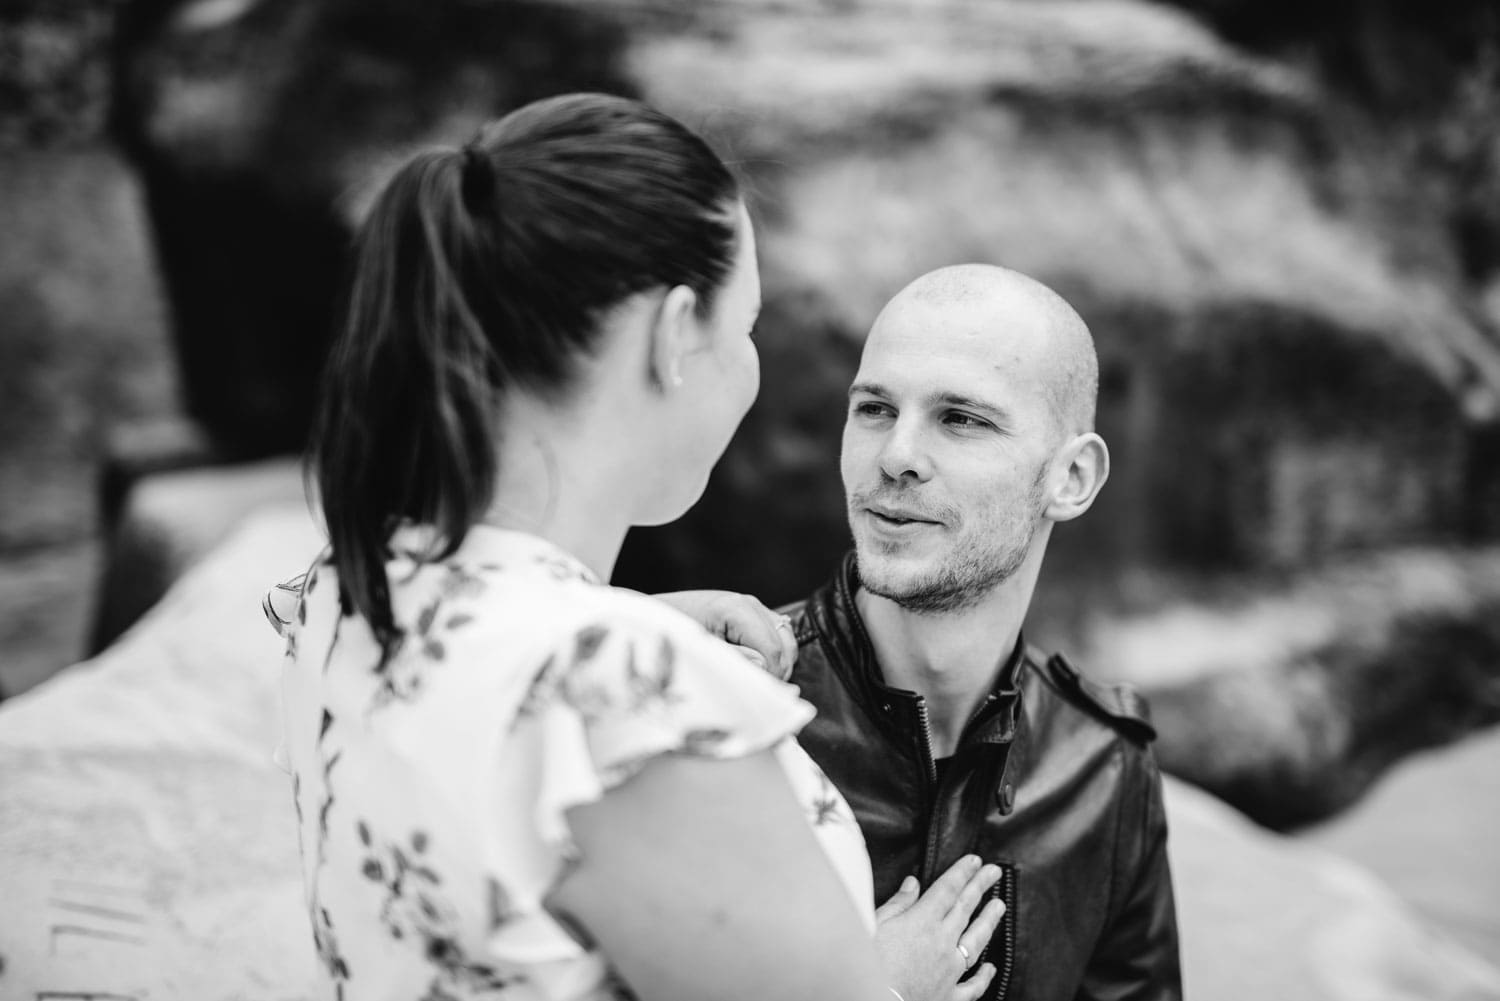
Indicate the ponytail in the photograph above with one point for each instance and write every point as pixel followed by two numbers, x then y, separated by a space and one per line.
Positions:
pixel 405 430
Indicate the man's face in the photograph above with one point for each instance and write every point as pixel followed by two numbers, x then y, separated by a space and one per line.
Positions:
pixel 948 443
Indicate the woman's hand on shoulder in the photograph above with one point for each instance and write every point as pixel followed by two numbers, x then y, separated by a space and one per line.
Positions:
pixel 764 637
pixel 927 941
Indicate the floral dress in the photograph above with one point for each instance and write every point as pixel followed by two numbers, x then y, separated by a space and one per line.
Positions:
pixel 432 795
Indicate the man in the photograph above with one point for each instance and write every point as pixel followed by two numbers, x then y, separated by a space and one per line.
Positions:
pixel 969 435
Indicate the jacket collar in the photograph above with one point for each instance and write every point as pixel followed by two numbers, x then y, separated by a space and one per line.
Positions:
pixel 836 618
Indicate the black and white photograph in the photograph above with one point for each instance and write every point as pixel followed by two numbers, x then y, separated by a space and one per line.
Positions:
pixel 749 500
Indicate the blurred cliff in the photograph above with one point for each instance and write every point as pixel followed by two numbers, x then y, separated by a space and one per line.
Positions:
pixel 1281 221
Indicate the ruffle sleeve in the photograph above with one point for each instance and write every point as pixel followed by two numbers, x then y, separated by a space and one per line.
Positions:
pixel 609 701
pixel 624 697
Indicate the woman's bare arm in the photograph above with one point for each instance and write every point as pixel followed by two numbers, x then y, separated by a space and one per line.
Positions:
pixel 702 879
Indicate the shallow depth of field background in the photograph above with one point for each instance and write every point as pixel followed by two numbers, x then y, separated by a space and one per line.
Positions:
pixel 1281 220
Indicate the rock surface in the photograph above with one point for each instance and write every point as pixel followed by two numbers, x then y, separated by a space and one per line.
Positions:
pixel 82 338
pixel 1290 697
pixel 148 846
pixel 1440 805
pixel 149 843
pixel 267 120
pixel 171 520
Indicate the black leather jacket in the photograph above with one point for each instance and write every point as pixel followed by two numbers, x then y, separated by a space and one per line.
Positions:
pixel 1053 780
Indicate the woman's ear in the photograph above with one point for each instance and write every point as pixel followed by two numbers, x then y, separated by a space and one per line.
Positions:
pixel 672 336
pixel 1083 466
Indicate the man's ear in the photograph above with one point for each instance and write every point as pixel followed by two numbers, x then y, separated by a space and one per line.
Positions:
pixel 1080 469
pixel 672 336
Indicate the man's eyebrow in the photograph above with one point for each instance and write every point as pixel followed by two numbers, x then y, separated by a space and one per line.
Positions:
pixel 869 388
pixel 968 403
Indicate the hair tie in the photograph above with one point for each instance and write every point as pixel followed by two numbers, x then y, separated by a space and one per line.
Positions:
pixel 478 179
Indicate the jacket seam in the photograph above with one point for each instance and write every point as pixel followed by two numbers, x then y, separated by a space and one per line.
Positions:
pixel 1114 868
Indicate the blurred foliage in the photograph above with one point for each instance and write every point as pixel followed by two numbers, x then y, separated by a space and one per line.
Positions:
pixel 54 71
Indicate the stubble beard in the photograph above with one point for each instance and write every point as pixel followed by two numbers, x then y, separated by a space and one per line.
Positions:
pixel 969 575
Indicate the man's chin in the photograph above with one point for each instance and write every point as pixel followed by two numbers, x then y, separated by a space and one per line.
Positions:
pixel 887 574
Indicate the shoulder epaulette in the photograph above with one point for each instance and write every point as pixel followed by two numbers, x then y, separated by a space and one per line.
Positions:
pixel 1120 705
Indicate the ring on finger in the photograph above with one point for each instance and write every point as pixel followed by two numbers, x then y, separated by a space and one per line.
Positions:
pixel 964 953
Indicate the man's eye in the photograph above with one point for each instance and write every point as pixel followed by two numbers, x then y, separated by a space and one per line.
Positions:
pixel 872 409
pixel 959 419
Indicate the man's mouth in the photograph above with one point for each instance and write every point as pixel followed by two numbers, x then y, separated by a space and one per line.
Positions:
pixel 896 516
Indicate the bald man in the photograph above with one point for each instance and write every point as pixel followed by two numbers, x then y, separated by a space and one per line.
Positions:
pixel 969 435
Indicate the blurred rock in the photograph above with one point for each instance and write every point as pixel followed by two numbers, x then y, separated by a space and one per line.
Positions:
pixel 1428 74
pixel 140 812
pixel 1443 804
pixel 82 344
pixel 140 809
pixel 1263 916
pixel 258 126
pixel 170 520
pixel 135 450
pixel 1289 699
pixel 54 71
pixel 48 605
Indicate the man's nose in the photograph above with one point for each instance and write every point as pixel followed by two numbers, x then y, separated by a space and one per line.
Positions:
pixel 903 453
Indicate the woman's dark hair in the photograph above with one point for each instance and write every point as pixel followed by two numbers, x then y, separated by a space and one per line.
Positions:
pixel 488 267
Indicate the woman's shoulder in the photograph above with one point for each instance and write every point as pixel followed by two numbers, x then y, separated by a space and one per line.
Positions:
pixel 640 614
pixel 616 635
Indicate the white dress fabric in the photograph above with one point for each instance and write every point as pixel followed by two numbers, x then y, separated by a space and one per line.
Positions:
pixel 431 795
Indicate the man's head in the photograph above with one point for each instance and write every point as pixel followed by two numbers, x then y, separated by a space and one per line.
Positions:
pixel 969 432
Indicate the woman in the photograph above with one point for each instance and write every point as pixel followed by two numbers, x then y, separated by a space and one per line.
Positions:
pixel 513 780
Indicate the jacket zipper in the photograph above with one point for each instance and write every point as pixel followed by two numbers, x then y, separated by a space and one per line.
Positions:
pixel 929 857
pixel 926 722
pixel 1005 889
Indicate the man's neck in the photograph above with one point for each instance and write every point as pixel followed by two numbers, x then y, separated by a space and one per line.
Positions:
pixel 953 660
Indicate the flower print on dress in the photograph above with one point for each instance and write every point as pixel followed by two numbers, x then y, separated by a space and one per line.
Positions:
pixel 461 582
pixel 827 806
pixel 559 674
pixel 596 694
pixel 415 908
pixel 323 938
pixel 543 688
pixel 564 568
pixel 328 949
pixel 403 673
pixel 652 688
